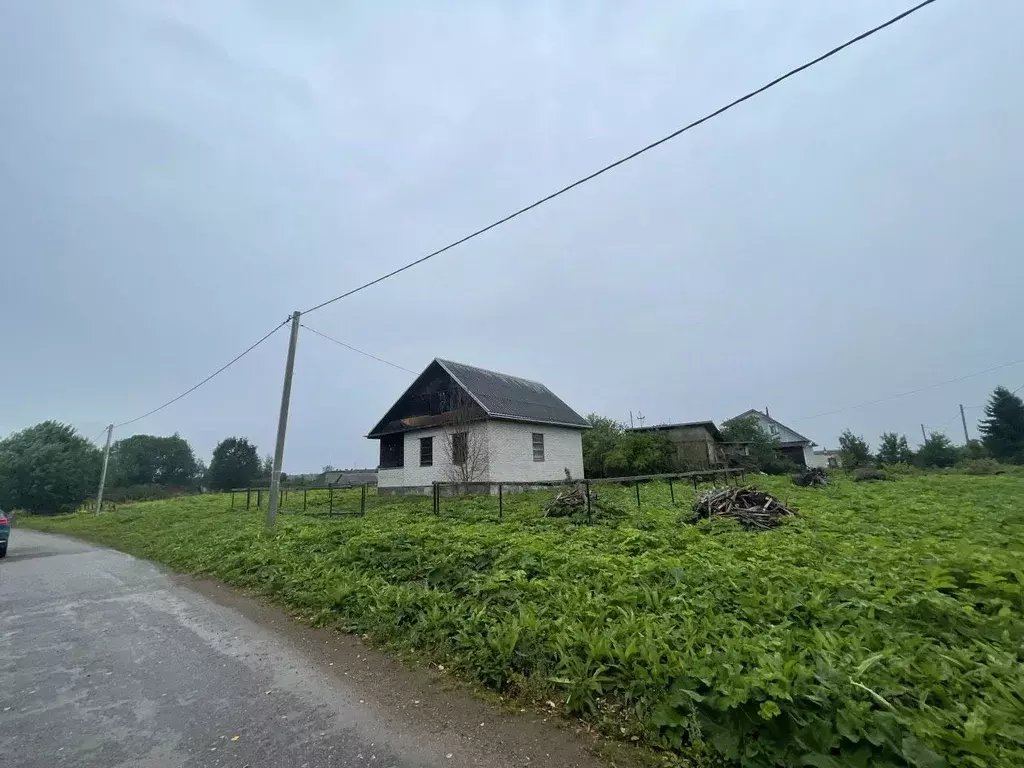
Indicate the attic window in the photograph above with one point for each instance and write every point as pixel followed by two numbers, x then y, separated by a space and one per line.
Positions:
pixel 538 446
pixel 773 429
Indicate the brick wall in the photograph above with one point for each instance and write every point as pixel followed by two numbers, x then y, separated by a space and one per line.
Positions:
pixel 509 455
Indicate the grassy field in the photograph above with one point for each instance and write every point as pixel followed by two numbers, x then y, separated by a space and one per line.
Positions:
pixel 883 627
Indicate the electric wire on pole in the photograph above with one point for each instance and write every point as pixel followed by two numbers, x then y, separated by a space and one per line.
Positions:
pixel 631 156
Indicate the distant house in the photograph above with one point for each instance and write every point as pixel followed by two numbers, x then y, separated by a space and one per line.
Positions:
pixel 467 425
pixel 793 445
pixel 831 459
pixel 698 444
pixel 347 478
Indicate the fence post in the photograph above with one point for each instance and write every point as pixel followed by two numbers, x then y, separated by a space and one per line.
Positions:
pixel 638 494
pixel 304 499
pixel 671 491
pixel 248 497
pixel 330 499
pixel 232 498
pixel 436 500
pixel 259 498
pixel 501 511
pixel 362 501
pixel 589 518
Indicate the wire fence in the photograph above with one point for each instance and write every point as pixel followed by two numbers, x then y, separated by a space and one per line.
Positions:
pixel 491 500
pixel 715 477
pixel 315 501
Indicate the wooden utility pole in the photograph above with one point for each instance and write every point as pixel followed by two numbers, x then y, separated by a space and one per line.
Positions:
pixel 282 424
pixel 924 437
pixel 963 420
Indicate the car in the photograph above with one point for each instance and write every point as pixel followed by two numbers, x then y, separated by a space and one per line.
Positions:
pixel 5 531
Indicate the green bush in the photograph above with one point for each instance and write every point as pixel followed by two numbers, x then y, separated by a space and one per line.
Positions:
pixel 48 468
pixel 854 451
pixel 981 467
pixel 882 627
pixel 937 452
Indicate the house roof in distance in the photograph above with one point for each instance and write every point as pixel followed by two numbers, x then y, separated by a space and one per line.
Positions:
pixel 510 397
pixel 763 415
pixel 710 426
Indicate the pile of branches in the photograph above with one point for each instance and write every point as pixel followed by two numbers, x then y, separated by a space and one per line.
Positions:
pixel 572 502
pixel 811 477
pixel 751 508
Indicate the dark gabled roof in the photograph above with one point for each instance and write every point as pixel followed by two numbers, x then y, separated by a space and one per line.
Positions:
pixel 710 426
pixel 763 415
pixel 509 397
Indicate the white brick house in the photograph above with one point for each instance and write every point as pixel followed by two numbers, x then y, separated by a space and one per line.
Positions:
pixel 459 423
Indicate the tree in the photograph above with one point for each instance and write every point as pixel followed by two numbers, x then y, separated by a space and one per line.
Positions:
pixel 267 467
pixel 464 441
pixel 854 451
pixel 937 451
pixel 640 453
pixel 235 464
pixel 764 452
pixel 47 468
pixel 894 449
pixel 598 441
pixel 1002 429
pixel 152 460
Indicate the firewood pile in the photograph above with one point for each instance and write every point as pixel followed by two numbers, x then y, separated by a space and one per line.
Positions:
pixel 572 502
pixel 753 509
pixel 569 502
pixel 811 477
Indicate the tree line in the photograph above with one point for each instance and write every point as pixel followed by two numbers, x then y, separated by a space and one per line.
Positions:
pixel 1002 440
pixel 612 450
pixel 50 468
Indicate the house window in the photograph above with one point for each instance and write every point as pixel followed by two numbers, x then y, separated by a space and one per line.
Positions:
pixel 460 448
pixel 774 430
pixel 538 446
pixel 426 451
pixel 392 451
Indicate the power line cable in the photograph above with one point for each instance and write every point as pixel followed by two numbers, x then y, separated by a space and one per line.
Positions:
pixel 208 378
pixel 354 349
pixel 912 392
pixel 631 156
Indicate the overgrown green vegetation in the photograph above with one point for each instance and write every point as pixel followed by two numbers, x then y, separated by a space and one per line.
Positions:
pixel 883 627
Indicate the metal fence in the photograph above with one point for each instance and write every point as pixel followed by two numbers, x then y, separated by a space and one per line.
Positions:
pixel 713 476
pixel 317 501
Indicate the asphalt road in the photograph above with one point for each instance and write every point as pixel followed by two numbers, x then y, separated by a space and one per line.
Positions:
pixel 109 661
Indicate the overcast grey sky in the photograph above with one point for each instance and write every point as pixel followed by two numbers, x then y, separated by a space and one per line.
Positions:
pixel 177 176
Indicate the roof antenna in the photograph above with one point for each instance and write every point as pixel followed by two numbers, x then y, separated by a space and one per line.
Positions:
pixel 766 412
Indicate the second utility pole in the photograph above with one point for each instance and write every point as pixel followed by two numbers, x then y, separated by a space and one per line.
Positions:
pixel 282 425
pixel 103 473
pixel 963 420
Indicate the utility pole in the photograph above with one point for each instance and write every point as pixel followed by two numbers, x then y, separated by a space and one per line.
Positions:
pixel 924 437
pixel 282 424
pixel 630 419
pixel 963 420
pixel 103 473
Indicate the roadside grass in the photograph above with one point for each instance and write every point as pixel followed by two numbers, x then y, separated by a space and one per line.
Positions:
pixel 883 627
